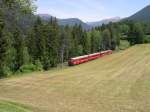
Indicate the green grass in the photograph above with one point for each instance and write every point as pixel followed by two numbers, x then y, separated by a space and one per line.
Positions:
pixel 116 83
pixel 12 107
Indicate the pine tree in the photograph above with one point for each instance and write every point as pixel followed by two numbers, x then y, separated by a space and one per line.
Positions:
pixel 95 41
pixel 86 43
pixel 52 36
pixel 19 47
pixel 136 34
pixel 31 44
pixel 26 56
pixel 114 37
pixel 106 40
pixel 4 47
pixel 38 37
pixel 76 40
pixel 139 33
pixel 68 43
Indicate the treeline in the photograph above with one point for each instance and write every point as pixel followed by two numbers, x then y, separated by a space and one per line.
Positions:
pixel 46 44
pixel 134 32
pixel 49 44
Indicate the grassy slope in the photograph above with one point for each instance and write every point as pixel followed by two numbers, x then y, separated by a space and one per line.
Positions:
pixel 116 83
pixel 12 107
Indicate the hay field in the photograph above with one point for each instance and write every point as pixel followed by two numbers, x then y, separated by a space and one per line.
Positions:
pixel 116 83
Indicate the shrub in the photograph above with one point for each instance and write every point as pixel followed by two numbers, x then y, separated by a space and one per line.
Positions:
pixel 38 65
pixel 4 72
pixel 27 68
pixel 124 44
pixel 147 39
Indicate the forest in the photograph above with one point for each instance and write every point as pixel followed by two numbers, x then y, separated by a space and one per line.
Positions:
pixel 28 43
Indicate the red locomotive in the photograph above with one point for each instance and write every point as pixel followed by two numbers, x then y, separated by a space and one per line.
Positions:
pixel 86 58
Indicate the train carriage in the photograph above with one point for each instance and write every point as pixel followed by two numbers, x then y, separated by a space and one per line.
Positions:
pixel 86 58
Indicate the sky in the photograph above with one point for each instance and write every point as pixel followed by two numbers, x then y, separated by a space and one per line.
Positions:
pixel 90 10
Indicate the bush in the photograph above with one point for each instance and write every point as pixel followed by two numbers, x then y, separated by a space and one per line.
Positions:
pixel 124 44
pixel 4 72
pixel 38 65
pixel 147 39
pixel 27 68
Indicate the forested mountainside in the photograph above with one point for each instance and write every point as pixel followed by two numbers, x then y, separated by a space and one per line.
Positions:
pixel 69 21
pixel 142 15
pixel 105 21
pixel 73 21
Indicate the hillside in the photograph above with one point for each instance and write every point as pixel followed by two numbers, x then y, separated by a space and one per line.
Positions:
pixel 105 21
pixel 142 15
pixel 69 21
pixel 116 83
pixel 73 21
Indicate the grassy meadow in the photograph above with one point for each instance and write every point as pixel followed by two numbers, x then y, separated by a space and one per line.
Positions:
pixel 116 83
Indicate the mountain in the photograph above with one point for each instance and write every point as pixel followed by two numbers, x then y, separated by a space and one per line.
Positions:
pixel 105 21
pixel 45 17
pixel 69 21
pixel 142 15
pixel 72 22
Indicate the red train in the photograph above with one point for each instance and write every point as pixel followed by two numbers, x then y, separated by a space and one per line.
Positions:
pixel 86 58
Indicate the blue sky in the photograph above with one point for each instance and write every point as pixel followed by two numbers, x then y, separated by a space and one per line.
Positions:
pixel 90 10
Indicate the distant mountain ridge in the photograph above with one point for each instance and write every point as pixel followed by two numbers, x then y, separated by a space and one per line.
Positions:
pixel 45 17
pixel 105 21
pixel 142 15
pixel 69 21
pixel 73 21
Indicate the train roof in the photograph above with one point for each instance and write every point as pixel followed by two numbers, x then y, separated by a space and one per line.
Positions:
pixel 80 57
pixel 94 54
pixel 106 51
pixel 85 56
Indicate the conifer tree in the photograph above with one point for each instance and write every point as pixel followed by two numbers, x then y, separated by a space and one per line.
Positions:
pixel 136 33
pixel 19 47
pixel 95 41
pixel 106 40
pixel 4 47
pixel 85 42
pixel 53 42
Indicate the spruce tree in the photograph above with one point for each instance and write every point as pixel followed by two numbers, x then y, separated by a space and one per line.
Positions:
pixel 106 40
pixel 4 47
pixel 139 33
pixel 26 56
pixel 38 48
pixel 19 47
pixel 136 33
pixel 95 41
pixel 53 36
pixel 85 42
